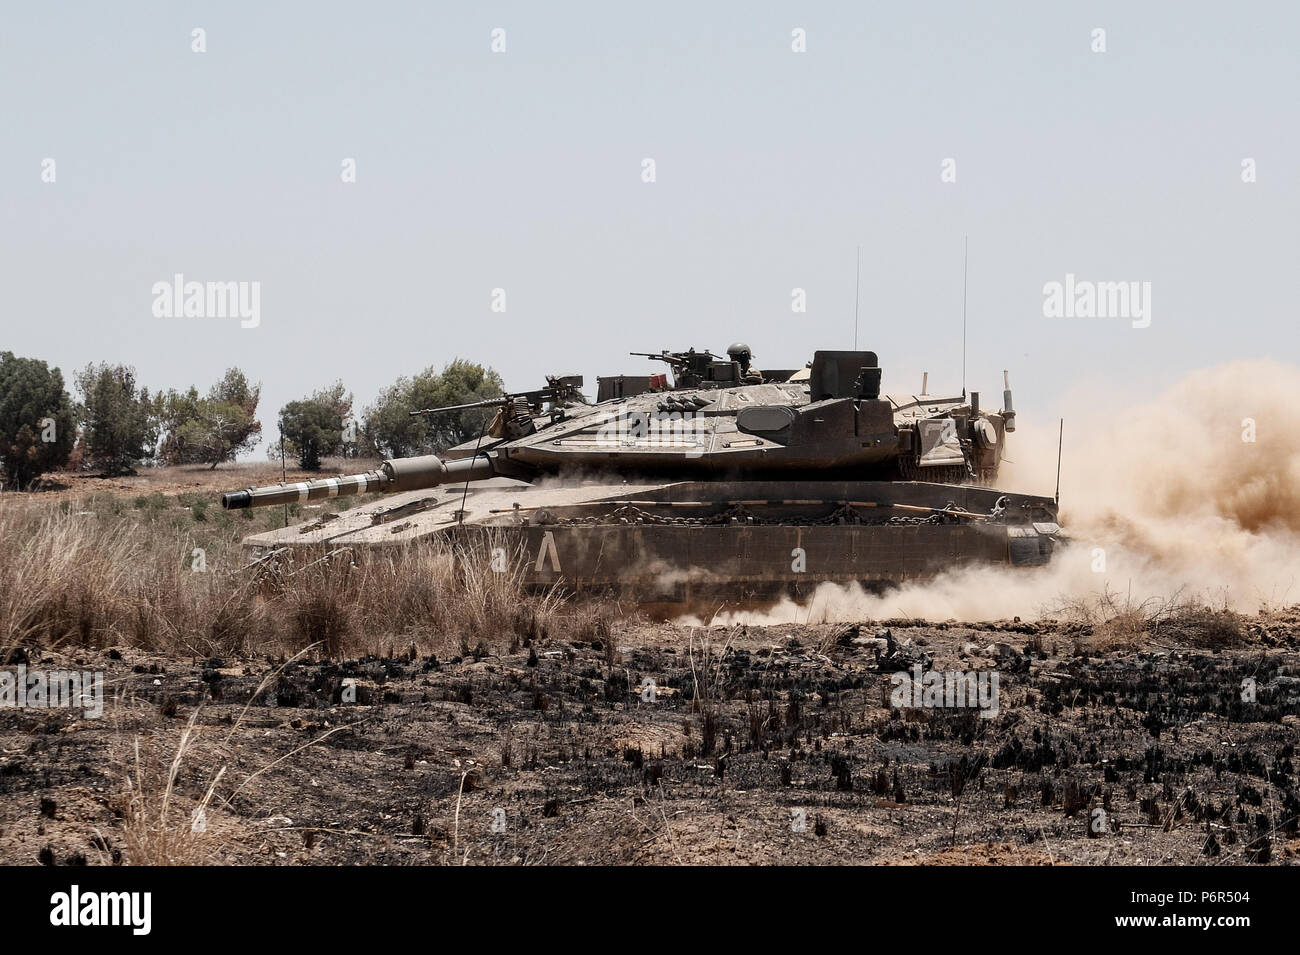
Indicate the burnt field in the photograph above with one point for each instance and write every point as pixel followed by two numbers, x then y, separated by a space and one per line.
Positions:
pixel 754 745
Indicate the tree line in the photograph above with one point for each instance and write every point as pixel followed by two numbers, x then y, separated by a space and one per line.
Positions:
pixel 114 426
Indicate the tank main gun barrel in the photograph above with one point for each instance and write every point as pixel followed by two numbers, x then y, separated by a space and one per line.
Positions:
pixel 394 475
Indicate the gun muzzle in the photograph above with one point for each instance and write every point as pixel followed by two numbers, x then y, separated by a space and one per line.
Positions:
pixel 394 475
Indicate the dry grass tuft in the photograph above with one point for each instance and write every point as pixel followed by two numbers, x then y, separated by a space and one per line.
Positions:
pixel 102 572
pixel 1105 621
pixel 159 826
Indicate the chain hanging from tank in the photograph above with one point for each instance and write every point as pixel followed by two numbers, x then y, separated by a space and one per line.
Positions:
pixel 739 514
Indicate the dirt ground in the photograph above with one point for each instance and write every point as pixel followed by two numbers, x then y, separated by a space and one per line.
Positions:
pixel 755 746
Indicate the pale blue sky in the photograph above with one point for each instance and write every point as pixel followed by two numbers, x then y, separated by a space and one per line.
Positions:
pixel 522 170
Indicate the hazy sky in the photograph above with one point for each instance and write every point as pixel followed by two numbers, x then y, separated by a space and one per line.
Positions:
pixel 522 170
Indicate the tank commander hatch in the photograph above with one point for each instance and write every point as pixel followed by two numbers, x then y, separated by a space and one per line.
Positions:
pixel 740 353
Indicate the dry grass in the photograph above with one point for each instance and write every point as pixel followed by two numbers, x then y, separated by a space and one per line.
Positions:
pixel 1106 621
pixel 430 597
pixel 708 684
pixel 90 578
pixel 105 571
pixel 1212 628
pixel 156 827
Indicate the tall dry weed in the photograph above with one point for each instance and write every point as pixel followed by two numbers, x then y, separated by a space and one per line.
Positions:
pixel 95 574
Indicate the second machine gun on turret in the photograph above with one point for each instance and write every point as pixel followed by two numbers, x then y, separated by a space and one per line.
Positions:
pixel 692 369
pixel 517 410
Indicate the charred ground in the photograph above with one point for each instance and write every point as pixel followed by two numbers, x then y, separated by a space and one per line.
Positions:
pixel 761 745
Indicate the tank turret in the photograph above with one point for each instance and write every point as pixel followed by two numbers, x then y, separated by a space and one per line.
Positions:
pixel 835 424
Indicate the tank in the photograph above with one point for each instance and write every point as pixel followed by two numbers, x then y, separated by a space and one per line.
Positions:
pixel 721 478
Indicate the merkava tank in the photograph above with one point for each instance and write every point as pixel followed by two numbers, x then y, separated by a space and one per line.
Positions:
pixel 722 480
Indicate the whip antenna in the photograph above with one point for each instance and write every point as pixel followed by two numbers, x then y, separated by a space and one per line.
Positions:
pixel 857 285
pixel 284 474
pixel 1059 436
pixel 964 245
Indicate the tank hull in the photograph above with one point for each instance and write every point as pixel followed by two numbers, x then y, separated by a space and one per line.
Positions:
pixel 680 541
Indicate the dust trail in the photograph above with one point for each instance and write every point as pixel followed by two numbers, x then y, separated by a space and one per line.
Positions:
pixel 1162 492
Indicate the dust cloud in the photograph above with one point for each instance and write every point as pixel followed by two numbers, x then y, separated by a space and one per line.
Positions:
pixel 1194 492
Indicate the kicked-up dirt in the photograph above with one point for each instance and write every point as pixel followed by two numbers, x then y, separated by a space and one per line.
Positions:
pixel 670 745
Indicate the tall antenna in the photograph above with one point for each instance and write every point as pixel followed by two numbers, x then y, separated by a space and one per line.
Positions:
pixel 284 474
pixel 965 241
pixel 857 285
pixel 1060 436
